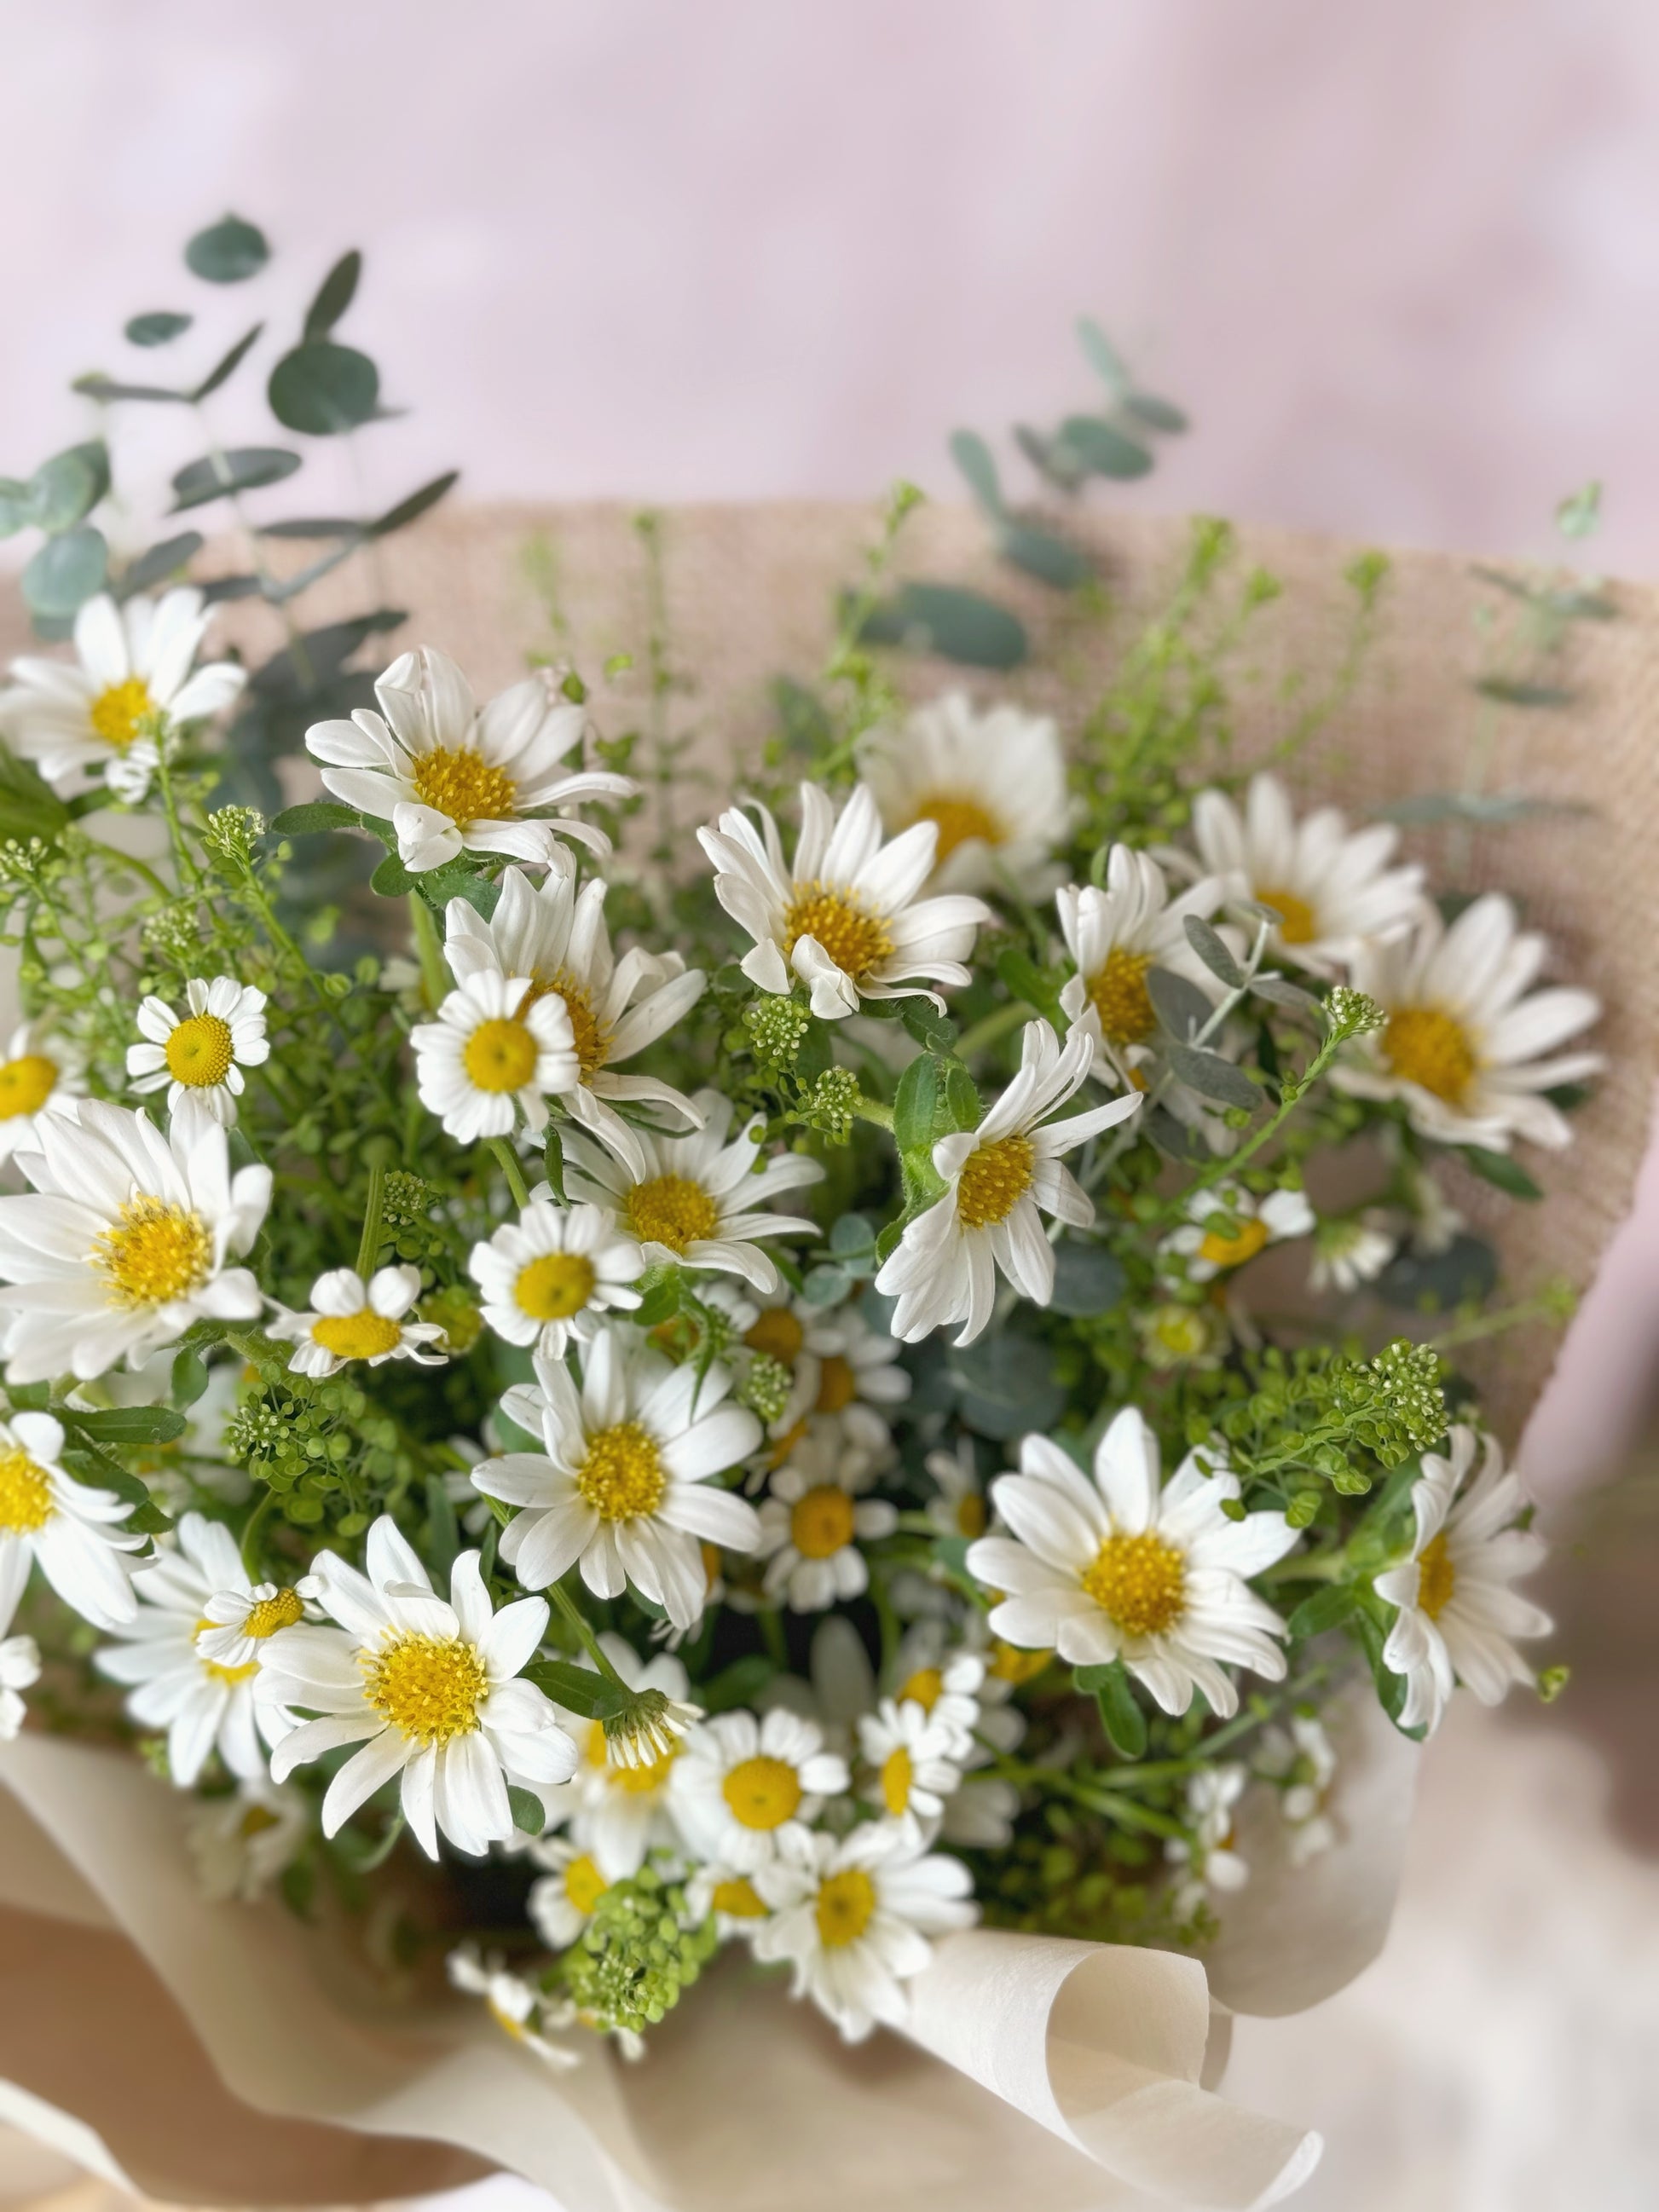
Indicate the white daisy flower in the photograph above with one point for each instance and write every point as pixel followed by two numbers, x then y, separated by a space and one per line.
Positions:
pixel 516 2006
pixel 846 916
pixel 428 1688
pixel 1213 1795
pixel 125 1244
pixel 1116 936
pixel 625 1488
pixel 620 1812
pixel 837 1365
pixel 1302 1759
pixel 958 1506
pixel 1174 1335
pixel 203 1704
pixel 956 1692
pixel 745 1784
pixel 243 1843
pixel 489 1053
pixel 999 1179
pixel 201 1053
pixel 992 782
pixel 350 1319
pixel 737 1907
pixel 699 1201
pixel 814 1518
pixel 1350 1250
pixel 549 1279
pixel 1458 1613
pixel 41 1074
pixel 239 1617
pixel 70 1530
pixel 947 1687
pixel 1333 888
pixel 854 1915
pixel 1468 1046
pixel 1228 1225
pixel 914 1758
pixel 75 719
pixel 19 1656
pixel 451 779
pixel 1122 1569
pixel 562 1897
pixel 556 936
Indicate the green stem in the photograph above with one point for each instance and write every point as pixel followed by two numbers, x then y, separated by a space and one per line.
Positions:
pixel 1291 1098
pixel 190 876
pixel 370 1243
pixel 872 1110
pixel 584 1636
pixel 427 951
pixel 770 1618
pixel 991 1026
pixel 510 1170
pixel 250 1554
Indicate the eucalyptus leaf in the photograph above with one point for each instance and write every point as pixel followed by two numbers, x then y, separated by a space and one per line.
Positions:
pixel 1005 1385
pixel 1157 413
pixel 1280 992
pixel 107 388
pixel 1503 1173
pixel 1213 952
pixel 1436 1282
pixel 1172 1138
pixel 1041 554
pixel 17 506
pixel 973 456
pixel 244 468
pixel 318 657
pixel 1494 808
pixel 413 509
pixel 334 294
pixel 825 1286
pixel 1516 691
pixel 158 328
pixel 1103 355
pixel 322 389
pixel 66 573
pixel 1212 1077
pixel 957 624
pixel 220 588
pixel 528 1812
pixel 64 490
pixel 228 252
pixel 1103 449
pixel 1088 1279
pixel 1182 1008
pixel 159 562
pixel 226 366
pixel 1052 459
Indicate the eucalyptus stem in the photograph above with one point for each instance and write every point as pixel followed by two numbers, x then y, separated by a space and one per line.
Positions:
pixel 584 1636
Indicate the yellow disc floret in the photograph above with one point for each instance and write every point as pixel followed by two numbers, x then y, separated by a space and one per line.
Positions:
pixel 778 1335
pixel 838 1384
pixel 465 785
pixel 924 1688
pixel 671 1210
pixel 1231 1248
pixel 365 1334
pixel 501 1054
pixel 1297 923
pixel 267 1614
pixel 845 1907
pixel 116 714
pixel 1139 1582
pixel 896 1775
pixel 25 1083
pixel 1427 1047
pixel 1437 1576
pixel 854 941
pixel 25 1493
pixel 820 1523
pixel 622 1476
pixel 592 1037
pixel 1120 998
pixel 992 1181
pixel 958 820
pixel 429 1687
pixel 762 1793
pixel 199 1052
pixel 584 1885
pixel 738 1897
pixel 554 1287
pixel 152 1253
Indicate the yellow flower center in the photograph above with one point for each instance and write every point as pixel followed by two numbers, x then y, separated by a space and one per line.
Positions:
pixel 846 1904
pixel 958 819
pixel 993 1181
pixel 737 1896
pixel 198 1052
pixel 970 1514
pixel 622 1476
pixel 153 1252
pixel 1231 1248
pixel 820 1523
pixel 230 1676
pixel 1180 1331
pixel 117 712
pixel 924 1688
pixel 429 1687
pixel 777 1335
pixel 1437 1576
pixel 1009 1664
pixel 671 1210
pixel 501 1054
pixel 1120 998
pixel 762 1793
pixel 1139 1582
pixel 592 1039
pixel 584 1885
pixel 554 1287
pixel 465 785
pixel 838 1385
pixel 255 1821
pixel 26 1084
pixel 896 1775
pixel 1297 922
pixel 270 1613
pixel 854 941
pixel 25 1493
pixel 635 1781
pixel 1427 1047
pixel 363 1336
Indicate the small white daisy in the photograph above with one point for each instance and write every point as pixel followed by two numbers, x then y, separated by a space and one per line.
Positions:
pixel 737 1907
pixel 1210 1857
pixel 999 1179
pixel 1116 936
pixel 488 1054
pixel 853 1916
pixel 428 1688
pixel 201 1053
pixel 846 916
pixel 549 1279
pixel 948 1686
pixel 516 2006
pixel 243 1843
pixel 134 663
pixel 126 1242
pixel 837 1365
pixel 1123 1569
pixel 1302 1760
pixel 1469 1047
pixel 19 1656
pixel 1458 1616
pixel 914 1759
pixel 1350 1250
pixel 238 1616
pixel 743 1785
pixel 451 779
pixel 562 1897
pixel 1333 888
pixel 625 1486
pixel 700 1201
pixel 350 1319
pixel 1174 1335
pixel 69 1530
pixel 556 936
pixel 1228 1225
pixel 992 782
pixel 958 1506
pixel 814 1518
pixel 41 1074
pixel 620 1812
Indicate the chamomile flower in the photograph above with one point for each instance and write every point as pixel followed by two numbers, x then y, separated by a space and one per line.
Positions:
pixel 41 1074
pixel 556 935
pixel 516 2006
pixel 1350 1250
pixel 549 1279
pixel 999 1179
pixel 623 1485
pixel 1117 935
pixel 836 1365
pixel 620 1812
pixel 1334 889
pixel 913 1758
pixel 1174 1335
pixel 429 1689
pixel 737 1907
pixel 846 916
pixel 958 1506
pixel 350 1319
pixel 1124 1568
pixel 700 1201
pixel 743 1785
pixel 562 1897
pixel 71 1531
pixel 855 1915
pixel 243 1843
pixel 946 1684
pixel 1302 1760
pixel 239 1616
pixel 1228 1225
pixel 991 782
pixel 813 1519
pixel 125 1243
pixel 133 667
pixel 201 1053
pixel 451 780
pixel 1469 1048
pixel 1458 1615
pixel 1210 1853
pixel 489 1057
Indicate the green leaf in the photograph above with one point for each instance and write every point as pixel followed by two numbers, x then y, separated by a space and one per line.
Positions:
pixel 161 561
pixel 933 1030
pixel 90 1465
pixel 1006 1385
pixel 226 367
pixel 190 1378
pixel 64 490
pixel 528 1812
pixel 317 814
pixel 413 509
pixel 1579 515
pixel 228 252
pixel 318 657
pixel 1182 1008
pixel 334 294
pixel 1213 952
pixel 321 389
pixel 1088 1281
pixel 961 1099
pixel 1212 1077
pixel 1499 1169
pixel 973 456
pixel 1121 1714
pixel 1027 981
pixel 107 388
pixel 739 1684
pixel 579 1690
pixel 916 1103
pixel 127 1425
pixel 1103 449
pixel 17 506
pixel 1326 1608
pixel 156 329
pixel 1155 414
pixel 1279 993
pixel 553 1163
pixel 1041 554
pixel 65 572
pixel 244 468
pixel 391 879
pixel 1436 1282
pixel 958 625
pixel 29 807
pixel 443 1533
pixel 1102 356
pixel 1514 691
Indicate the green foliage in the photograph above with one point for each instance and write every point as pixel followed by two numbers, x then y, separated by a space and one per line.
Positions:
pixel 637 1956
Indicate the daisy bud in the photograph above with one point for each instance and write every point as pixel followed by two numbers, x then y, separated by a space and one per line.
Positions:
pixel 645 1728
